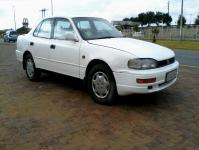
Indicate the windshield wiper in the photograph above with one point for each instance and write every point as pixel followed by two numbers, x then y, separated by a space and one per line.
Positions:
pixel 106 37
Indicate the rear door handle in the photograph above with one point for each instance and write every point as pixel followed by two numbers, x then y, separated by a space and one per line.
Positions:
pixel 52 46
pixel 31 43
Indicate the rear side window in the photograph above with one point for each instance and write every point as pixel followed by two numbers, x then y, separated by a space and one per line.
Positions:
pixel 45 29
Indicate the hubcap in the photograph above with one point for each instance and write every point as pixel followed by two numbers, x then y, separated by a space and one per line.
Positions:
pixel 100 84
pixel 30 68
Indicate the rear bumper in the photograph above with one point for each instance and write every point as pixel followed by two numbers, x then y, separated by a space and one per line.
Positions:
pixel 126 80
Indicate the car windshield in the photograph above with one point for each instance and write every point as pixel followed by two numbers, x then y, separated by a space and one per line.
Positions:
pixel 95 28
pixel 13 33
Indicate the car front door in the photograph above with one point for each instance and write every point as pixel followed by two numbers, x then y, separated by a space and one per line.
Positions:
pixel 64 54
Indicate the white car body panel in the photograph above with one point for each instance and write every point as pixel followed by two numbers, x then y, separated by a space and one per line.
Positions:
pixel 40 52
pixel 136 47
pixel 65 59
pixel 72 58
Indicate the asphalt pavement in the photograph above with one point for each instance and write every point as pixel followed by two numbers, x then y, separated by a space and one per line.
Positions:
pixel 187 57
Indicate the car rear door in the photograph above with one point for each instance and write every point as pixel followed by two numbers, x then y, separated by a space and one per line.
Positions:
pixel 64 54
pixel 40 44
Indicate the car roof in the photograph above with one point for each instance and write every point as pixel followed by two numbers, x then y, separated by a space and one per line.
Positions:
pixel 68 17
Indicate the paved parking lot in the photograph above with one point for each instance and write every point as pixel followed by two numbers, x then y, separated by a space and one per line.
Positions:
pixel 57 114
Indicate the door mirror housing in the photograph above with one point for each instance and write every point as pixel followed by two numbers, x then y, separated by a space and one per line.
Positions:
pixel 71 36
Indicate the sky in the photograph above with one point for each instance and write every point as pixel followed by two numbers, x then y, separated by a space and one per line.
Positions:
pixel 108 9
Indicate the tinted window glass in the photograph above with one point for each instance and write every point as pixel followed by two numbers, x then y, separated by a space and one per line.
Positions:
pixel 84 25
pixel 13 33
pixel 37 30
pixel 62 27
pixel 86 29
pixel 95 28
pixel 101 26
pixel 45 30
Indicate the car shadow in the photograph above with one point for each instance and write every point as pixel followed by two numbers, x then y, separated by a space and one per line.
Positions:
pixel 63 80
pixel 136 100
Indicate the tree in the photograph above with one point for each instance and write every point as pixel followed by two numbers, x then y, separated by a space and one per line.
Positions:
pixel 142 19
pixel 150 18
pixel 183 21
pixel 167 19
pixel 126 19
pixel 136 28
pixel 155 33
pixel 158 18
pixel 197 20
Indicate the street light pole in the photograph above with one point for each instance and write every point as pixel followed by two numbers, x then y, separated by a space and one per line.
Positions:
pixel 14 17
pixel 181 20
pixel 190 19
pixel 52 7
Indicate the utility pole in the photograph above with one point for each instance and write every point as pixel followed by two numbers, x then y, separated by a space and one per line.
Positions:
pixel 190 18
pixel 52 11
pixel 168 7
pixel 43 12
pixel 14 17
pixel 181 20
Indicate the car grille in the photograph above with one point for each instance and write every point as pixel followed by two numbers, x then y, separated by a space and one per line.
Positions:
pixel 166 62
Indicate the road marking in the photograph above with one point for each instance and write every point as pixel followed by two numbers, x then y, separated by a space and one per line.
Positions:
pixel 197 67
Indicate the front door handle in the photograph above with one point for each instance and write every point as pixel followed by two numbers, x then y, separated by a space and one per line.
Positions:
pixel 31 43
pixel 52 46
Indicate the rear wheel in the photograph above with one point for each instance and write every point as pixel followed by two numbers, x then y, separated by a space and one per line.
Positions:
pixel 101 84
pixel 32 73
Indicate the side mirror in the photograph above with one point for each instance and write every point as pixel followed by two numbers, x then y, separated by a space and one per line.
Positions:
pixel 71 36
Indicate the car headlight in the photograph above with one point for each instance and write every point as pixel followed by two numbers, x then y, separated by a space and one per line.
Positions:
pixel 142 63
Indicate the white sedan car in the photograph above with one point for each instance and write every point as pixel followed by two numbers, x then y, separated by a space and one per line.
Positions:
pixel 91 49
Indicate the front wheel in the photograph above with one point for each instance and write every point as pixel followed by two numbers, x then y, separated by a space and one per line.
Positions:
pixel 101 84
pixel 32 72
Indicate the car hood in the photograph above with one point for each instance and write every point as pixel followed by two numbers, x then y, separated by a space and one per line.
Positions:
pixel 138 48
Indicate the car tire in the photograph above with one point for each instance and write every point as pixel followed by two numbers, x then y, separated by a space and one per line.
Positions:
pixel 32 72
pixel 101 84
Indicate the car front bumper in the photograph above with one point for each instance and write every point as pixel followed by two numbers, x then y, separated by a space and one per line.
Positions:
pixel 127 84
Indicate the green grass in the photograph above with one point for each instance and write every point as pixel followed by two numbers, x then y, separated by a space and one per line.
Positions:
pixel 185 45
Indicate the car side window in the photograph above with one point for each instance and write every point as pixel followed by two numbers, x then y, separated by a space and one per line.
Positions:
pixel 45 29
pixel 62 27
pixel 85 27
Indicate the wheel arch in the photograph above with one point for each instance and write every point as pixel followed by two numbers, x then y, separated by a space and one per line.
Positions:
pixel 95 62
pixel 24 56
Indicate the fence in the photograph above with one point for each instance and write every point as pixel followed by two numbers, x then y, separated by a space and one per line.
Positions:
pixel 167 33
